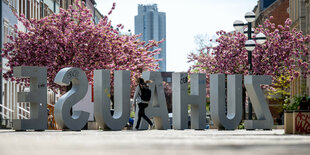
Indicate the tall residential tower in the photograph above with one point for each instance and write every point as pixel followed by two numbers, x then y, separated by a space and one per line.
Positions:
pixel 152 25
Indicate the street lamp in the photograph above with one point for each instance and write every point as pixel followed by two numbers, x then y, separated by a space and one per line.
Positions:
pixel 260 38
pixel 246 31
pixel 250 43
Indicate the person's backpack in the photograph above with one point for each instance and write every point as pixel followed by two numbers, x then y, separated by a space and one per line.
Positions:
pixel 146 93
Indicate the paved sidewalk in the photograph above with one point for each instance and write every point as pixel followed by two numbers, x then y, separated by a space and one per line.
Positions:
pixel 153 142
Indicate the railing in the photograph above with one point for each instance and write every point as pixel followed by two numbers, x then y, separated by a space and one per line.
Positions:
pixel 24 110
pixel 11 109
pixel 6 108
pixel 22 116
pixel 5 116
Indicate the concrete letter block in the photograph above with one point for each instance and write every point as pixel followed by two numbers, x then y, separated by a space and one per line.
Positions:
pixel 37 98
pixel 121 99
pixel 181 99
pixel 78 91
pixel 226 117
pixel 264 118
pixel 157 107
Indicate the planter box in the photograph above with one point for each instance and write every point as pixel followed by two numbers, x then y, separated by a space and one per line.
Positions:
pixel 301 122
pixel 297 122
pixel 288 122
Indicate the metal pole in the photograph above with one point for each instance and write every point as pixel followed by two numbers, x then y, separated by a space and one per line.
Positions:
pixel 250 68
pixel 1 65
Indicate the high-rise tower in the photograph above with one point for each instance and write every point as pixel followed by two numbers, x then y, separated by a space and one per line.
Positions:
pixel 152 25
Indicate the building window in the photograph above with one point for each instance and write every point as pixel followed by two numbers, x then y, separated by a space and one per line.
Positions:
pixel 296 9
pixel 45 10
pixel 15 4
pixel 5 31
pixel 169 80
pixel 20 7
pixel 35 9
pixel 11 32
pixel 41 9
pixel 6 1
pixel 28 9
pixel 24 7
pixel 15 35
pixel 31 10
pixel 308 17
pixel 61 4
pixel 12 4
pixel 38 8
pixel 5 91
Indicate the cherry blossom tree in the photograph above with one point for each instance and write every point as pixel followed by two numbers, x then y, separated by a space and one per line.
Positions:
pixel 71 39
pixel 285 53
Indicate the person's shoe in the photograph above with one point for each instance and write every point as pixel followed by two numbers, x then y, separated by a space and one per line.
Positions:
pixel 152 127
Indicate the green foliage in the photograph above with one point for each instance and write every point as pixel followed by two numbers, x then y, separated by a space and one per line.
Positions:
pixel 292 104
pixel 132 114
pixel 280 88
pixel 208 104
pixel 241 125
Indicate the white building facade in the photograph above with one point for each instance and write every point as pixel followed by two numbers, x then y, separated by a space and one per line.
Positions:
pixel 32 9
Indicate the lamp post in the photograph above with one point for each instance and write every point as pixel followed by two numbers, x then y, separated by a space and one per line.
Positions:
pixel 249 44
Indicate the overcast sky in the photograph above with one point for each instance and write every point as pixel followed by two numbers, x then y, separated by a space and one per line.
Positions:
pixel 185 19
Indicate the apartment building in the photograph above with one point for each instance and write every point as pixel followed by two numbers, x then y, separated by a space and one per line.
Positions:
pixel 299 11
pixel 37 9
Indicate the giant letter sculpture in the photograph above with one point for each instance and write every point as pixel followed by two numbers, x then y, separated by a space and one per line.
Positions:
pixel 264 117
pixel 157 107
pixel 121 99
pixel 181 100
pixel 37 98
pixel 231 120
pixel 78 91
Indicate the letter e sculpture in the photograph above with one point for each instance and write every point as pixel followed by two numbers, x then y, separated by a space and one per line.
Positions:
pixel 37 98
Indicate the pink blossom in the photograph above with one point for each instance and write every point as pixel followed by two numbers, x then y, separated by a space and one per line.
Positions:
pixel 284 52
pixel 71 39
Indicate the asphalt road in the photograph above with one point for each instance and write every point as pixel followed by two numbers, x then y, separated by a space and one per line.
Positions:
pixel 153 142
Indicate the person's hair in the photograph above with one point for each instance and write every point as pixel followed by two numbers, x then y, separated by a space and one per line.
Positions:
pixel 148 81
pixel 141 81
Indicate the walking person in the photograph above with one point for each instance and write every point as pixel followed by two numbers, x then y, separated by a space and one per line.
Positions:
pixel 304 104
pixel 141 98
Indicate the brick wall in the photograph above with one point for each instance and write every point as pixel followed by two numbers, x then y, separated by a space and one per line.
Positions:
pixel 279 10
pixel 280 13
